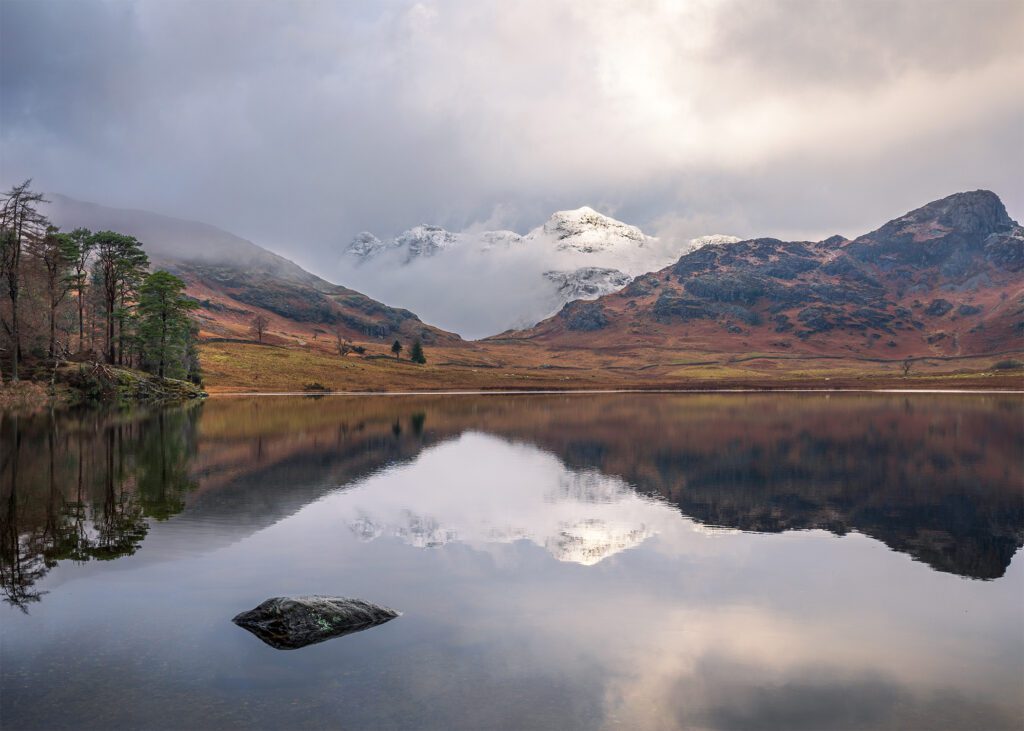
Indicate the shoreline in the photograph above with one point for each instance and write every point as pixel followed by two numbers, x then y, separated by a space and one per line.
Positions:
pixel 125 388
pixel 87 386
pixel 571 391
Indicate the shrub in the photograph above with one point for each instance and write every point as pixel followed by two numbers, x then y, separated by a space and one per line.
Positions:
pixel 1009 364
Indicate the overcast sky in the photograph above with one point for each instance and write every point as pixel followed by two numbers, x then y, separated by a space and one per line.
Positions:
pixel 298 124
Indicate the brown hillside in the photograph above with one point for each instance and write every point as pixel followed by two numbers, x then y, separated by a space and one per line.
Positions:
pixel 944 280
pixel 234 280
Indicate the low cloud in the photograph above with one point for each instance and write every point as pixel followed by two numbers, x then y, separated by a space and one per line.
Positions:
pixel 299 124
pixel 478 288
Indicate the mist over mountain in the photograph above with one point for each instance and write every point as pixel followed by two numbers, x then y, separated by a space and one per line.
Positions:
pixel 235 280
pixel 479 283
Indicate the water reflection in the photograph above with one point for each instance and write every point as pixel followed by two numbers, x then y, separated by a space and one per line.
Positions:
pixel 83 488
pixel 936 477
pixel 639 561
pixel 478 489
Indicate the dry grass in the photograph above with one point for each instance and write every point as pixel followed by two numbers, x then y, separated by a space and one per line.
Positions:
pixel 241 367
pixel 27 397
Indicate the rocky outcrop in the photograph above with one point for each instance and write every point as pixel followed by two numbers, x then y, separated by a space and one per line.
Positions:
pixel 581 316
pixel 290 623
pixel 91 384
pixel 587 282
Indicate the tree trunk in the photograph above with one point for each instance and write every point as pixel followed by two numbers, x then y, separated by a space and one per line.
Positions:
pixel 81 320
pixel 110 334
pixel 163 340
pixel 15 337
pixel 53 330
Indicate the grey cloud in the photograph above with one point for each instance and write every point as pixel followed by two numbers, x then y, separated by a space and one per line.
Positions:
pixel 298 124
pixel 832 43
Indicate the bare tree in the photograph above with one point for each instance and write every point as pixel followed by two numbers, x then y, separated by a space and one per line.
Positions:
pixel 56 252
pixel 907 365
pixel 344 344
pixel 20 222
pixel 82 238
pixel 259 327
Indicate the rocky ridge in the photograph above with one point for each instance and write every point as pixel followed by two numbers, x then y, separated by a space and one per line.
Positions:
pixel 947 278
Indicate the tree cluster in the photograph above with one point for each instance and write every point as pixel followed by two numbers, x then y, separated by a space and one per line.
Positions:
pixel 416 355
pixel 86 295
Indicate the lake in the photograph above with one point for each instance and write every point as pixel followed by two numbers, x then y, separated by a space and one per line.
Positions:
pixel 562 561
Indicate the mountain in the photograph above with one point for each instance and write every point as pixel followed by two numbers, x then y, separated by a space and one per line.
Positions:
pixel 711 240
pixel 575 254
pixel 587 283
pixel 419 241
pixel 579 231
pixel 945 279
pixel 234 280
pixel 586 231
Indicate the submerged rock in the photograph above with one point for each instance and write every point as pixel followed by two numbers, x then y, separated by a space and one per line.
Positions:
pixel 290 623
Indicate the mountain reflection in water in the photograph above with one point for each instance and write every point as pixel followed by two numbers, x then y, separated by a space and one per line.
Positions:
pixel 561 561
pixel 936 477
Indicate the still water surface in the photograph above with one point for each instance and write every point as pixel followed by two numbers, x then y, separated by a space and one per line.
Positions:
pixel 731 561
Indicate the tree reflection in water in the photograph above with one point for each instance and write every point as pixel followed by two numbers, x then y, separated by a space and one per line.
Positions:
pixel 932 476
pixel 83 487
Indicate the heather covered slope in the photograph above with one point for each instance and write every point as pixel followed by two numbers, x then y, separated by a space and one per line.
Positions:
pixel 234 280
pixel 944 280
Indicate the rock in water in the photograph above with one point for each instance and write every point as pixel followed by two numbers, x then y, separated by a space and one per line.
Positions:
pixel 289 623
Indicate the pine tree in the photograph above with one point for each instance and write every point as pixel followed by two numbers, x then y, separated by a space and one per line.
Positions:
pixel 396 348
pixel 120 266
pixel 163 324
pixel 416 354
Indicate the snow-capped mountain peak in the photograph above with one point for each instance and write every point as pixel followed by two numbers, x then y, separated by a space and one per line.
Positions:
pixel 709 240
pixel 365 245
pixel 581 230
pixel 587 231
pixel 425 240
pixel 505 279
pixel 587 283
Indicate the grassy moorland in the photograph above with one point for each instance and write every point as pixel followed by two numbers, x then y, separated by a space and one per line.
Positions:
pixel 238 367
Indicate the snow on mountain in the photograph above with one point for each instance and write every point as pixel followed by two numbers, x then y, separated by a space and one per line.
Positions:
pixel 425 241
pixel 710 240
pixel 589 232
pixel 483 282
pixel 582 231
pixel 494 239
pixel 587 283
pixel 366 246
